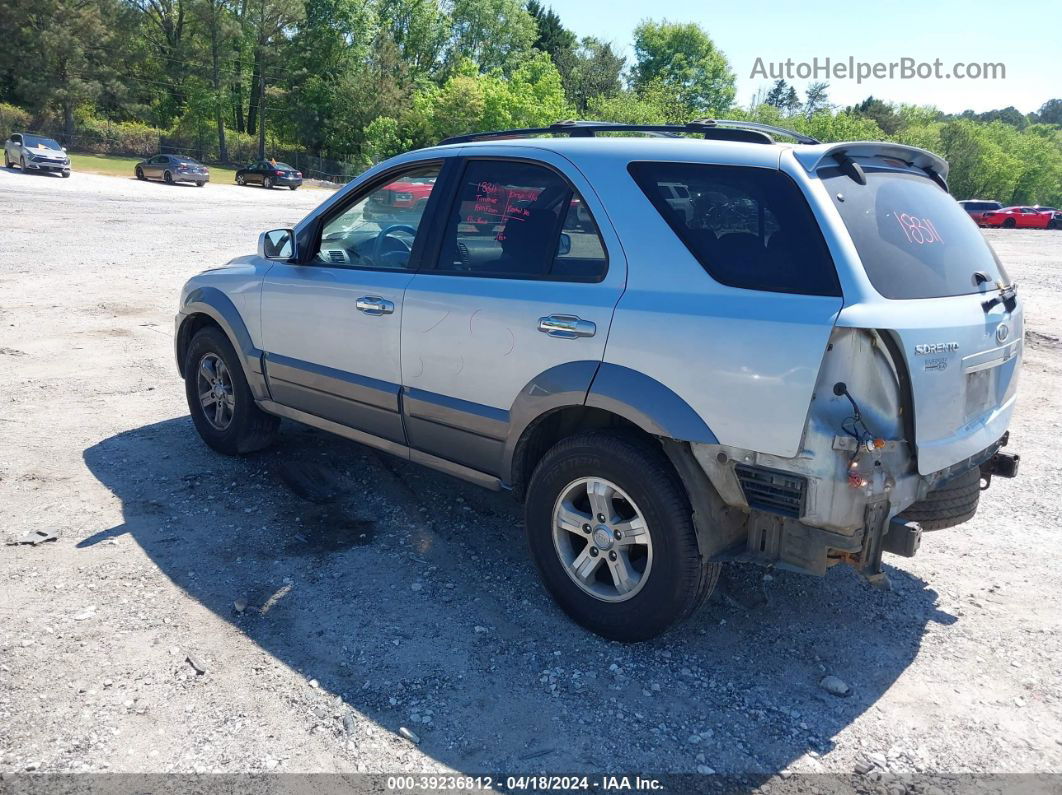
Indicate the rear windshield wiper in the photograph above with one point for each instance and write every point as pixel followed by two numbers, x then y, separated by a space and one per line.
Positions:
pixel 1008 296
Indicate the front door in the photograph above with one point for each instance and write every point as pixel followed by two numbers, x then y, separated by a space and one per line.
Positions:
pixel 525 280
pixel 331 326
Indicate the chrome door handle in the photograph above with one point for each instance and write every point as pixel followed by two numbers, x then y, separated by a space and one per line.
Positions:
pixel 566 327
pixel 374 305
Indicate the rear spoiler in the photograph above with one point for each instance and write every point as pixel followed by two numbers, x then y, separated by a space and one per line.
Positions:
pixel 813 158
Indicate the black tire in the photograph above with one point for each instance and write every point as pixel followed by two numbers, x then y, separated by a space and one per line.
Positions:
pixel 950 504
pixel 241 180
pixel 293 187
pixel 168 177
pixel 1010 223
pixel 267 183
pixel 66 174
pixel 678 580
pixel 140 174
pixel 250 428
pixel 7 160
pixel 200 184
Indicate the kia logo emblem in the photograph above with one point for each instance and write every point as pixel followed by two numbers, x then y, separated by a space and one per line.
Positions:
pixel 1002 332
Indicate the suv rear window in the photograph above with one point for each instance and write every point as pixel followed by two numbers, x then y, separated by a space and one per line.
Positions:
pixel 748 227
pixel 914 239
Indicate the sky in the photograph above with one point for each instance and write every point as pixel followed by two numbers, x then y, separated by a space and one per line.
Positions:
pixel 1024 38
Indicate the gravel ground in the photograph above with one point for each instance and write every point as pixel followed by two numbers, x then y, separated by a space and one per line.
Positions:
pixel 392 598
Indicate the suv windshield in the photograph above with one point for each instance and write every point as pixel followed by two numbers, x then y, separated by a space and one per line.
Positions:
pixel 34 141
pixel 914 239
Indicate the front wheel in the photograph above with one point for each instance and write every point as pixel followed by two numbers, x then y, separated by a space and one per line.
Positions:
pixel 240 180
pixel 66 175
pixel 7 160
pixel 611 531
pixel 140 174
pixel 293 187
pixel 219 400
pixel 168 177
pixel 267 183
pixel 1010 223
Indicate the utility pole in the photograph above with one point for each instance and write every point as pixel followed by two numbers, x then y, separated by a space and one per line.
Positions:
pixel 261 111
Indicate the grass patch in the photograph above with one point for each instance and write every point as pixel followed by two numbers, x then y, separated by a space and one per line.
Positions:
pixel 116 166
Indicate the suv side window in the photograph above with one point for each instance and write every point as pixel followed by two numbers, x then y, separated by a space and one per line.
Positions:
pixel 378 230
pixel 748 227
pixel 519 220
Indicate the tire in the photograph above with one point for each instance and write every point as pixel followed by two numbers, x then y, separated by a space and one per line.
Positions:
pixel 200 184
pixel 66 174
pixel 140 174
pixel 241 180
pixel 7 160
pixel 267 183
pixel 293 187
pixel 672 579
pixel 248 427
pixel 1010 223
pixel 950 504
pixel 22 162
pixel 168 178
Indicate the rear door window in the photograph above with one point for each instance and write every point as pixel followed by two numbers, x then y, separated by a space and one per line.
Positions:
pixel 518 220
pixel 914 240
pixel 748 227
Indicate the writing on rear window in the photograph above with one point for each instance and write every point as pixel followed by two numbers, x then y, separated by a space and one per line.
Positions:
pixel 918 230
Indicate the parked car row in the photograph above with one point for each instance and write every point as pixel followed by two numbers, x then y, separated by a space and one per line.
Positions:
pixel 994 214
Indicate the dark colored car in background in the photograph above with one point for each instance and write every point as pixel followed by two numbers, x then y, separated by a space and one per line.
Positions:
pixel 267 174
pixel 1017 218
pixel 35 153
pixel 1056 216
pixel 173 168
pixel 976 208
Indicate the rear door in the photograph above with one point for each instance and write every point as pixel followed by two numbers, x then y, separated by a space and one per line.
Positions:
pixel 961 335
pixel 527 275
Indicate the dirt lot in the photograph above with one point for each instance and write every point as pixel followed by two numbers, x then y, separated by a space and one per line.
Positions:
pixel 393 597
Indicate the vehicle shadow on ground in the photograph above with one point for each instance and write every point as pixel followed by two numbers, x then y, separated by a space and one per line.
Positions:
pixel 411 596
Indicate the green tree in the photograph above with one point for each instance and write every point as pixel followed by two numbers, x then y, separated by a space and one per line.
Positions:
pixel 419 29
pixel 884 114
pixel 1050 112
pixel 784 97
pixel 816 99
pixel 595 71
pixel 683 58
pixel 493 34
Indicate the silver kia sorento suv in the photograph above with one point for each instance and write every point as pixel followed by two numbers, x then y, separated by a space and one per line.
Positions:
pixel 677 345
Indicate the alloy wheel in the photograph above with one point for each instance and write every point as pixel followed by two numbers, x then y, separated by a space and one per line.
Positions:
pixel 216 395
pixel 602 539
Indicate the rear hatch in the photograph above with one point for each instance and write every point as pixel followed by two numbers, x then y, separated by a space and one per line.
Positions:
pixel 949 307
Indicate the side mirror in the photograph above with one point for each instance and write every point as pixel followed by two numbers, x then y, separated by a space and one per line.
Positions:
pixel 64 148
pixel 564 245
pixel 277 244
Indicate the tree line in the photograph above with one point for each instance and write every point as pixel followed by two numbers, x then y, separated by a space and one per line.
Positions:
pixel 356 81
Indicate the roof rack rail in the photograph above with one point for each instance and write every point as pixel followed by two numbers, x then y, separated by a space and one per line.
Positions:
pixel 714 129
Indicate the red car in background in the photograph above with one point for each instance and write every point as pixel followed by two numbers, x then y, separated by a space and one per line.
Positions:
pixel 399 199
pixel 1017 218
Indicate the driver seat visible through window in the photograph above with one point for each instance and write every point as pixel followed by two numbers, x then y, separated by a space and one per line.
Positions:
pixel 379 229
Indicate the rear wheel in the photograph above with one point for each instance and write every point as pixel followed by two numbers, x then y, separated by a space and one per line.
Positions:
pixel 168 177
pixel 611 531
pixel 293 187
pixel 1010 223
pixel 140 173
pixel 219 400
pixel 200 184
pixel 240 179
